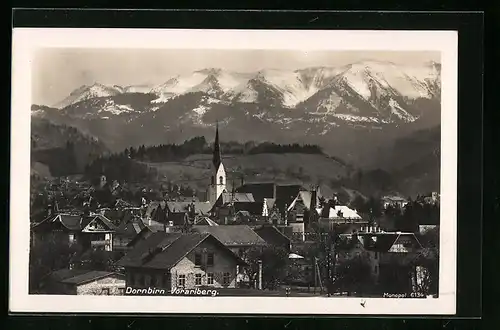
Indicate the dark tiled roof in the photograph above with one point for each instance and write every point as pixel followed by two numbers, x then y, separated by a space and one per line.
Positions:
pixel 253 208
pixel 231 235
pixel 86 220
pixel 237 198
pixel 159 214
pixel 88 277
pixel 258 190
pixel 285 194
pixel 272 235
pixel 178 219
pixel 155 240
pixel 163 251
pixel 130 228
pixel 71 222
pixel 174 252
pixel 62 274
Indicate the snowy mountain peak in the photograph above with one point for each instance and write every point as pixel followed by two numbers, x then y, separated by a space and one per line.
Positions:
pixel 88 92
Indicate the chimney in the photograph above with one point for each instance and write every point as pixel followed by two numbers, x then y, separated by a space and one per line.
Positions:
pixel 242 181
pixel 274 190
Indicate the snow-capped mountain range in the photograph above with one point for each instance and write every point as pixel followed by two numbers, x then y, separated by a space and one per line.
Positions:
pixel 314 101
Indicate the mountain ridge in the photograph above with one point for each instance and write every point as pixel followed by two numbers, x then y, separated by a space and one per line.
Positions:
pixel 349 111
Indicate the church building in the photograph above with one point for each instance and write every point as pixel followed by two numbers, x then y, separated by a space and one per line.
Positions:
pixel 218 178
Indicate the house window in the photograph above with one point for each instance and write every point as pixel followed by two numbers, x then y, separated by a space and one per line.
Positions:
pixel 181 281
pixel 226 278
pixel 105 291
pixel 210 278
pixel 197 279
pixel 210 259
pixel 221 180
pixel 121 291
pixel 197 259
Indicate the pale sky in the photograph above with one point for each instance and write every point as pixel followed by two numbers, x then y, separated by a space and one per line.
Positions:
pixel 57 72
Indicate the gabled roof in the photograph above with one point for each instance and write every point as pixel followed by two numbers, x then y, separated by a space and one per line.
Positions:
pixel 236 198
pixel 243 213
pixel 270 202
pixel 205 221
pixel 253 208
pixel 164 251
pixel 98 217
pixel 130 227
pixel 232 235
pixel 65 273
pixel 74 222
pixel 285 194
pixel 271 234
pixel 160 213
pixel 155 240
pixel 259 191
pixel 384 241
pixel 71 222
pixel 305 197
pixel 89 276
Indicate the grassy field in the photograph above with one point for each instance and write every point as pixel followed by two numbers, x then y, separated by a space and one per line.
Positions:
pixel 294 168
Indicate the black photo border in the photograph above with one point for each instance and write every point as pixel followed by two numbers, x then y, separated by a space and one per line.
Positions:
pixel 470 135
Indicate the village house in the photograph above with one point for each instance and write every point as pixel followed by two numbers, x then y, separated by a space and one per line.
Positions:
pixel 84 282
pixel 228 204
pixel 88 231
pixel 299 215
pixel 126 231
pixel 238 238
pixel 176 216
pixel 339 218
pixel 271 199
pixel 394 201
pixel 389 254
pixel 187 261
pixel 433 198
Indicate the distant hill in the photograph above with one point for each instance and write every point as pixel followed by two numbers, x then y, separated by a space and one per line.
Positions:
pixel 305 169
pixel 60 149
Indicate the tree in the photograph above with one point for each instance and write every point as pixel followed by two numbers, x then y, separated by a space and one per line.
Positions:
pixel 48 256
pixel 274 262
pixel 353 275
pixel 426 264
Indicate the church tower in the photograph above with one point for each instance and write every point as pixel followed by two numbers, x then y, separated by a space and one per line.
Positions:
pixel 218 178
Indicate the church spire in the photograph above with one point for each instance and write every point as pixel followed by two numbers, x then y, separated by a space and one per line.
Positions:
pixel 217 157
